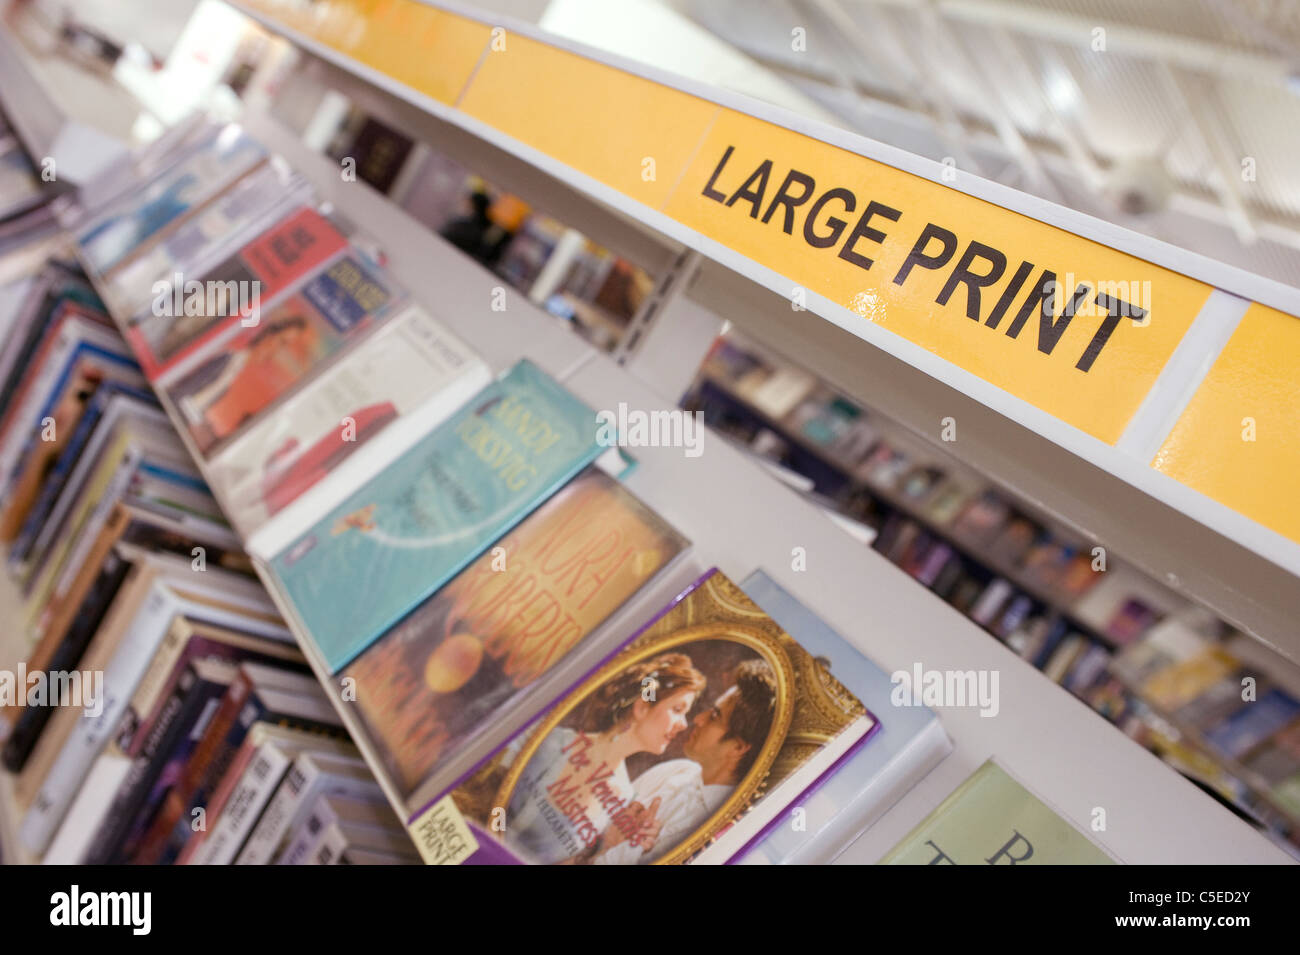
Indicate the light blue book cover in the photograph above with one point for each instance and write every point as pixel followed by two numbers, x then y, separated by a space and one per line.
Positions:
pixel 858 792
pixel 408 531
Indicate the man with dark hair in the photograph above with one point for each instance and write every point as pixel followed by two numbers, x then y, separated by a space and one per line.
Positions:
pixel 725 739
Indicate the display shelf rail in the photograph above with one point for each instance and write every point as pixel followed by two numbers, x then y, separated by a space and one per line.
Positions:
pixel 519 92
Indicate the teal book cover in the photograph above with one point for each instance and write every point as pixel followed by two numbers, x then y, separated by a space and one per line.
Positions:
pixel 409 530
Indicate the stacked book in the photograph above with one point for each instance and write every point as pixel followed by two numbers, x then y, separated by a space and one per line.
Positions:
pixel 444 549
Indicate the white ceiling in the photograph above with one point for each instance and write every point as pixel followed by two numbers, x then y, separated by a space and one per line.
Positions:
pixel 1191 105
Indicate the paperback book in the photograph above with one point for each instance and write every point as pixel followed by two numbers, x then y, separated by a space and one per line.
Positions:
pixel 993 820
pixel 326 437
pixel 408 531
pixel 442 676
pixel 682 748
pixel 183 327
pixel 260 364
pixel 909 743
pixel 116 232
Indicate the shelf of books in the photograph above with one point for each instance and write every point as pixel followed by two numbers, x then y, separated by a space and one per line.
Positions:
pixel 326 546
pixel 1123 380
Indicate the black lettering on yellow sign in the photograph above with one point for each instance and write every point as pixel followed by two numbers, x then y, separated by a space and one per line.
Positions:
pixel 979 269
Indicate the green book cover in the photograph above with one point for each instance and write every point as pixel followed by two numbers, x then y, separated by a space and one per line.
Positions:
pixel 417 524
pixel 993 820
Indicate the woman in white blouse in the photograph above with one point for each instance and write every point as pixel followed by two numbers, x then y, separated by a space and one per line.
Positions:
pixel 576 783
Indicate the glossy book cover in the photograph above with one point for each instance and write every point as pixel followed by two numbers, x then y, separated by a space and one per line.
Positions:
pixel 682 748
pixel 436 680
pixel 224 394
pixel 180 324
pixel 409 530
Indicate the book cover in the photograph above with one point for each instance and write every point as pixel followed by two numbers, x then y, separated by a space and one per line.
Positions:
pixel 412 367
pixel 39 459
pixel 260 694
pixel 1253 722
pixel 149 209
pixel 165 338
pixel 145 654
pixel 69 456
pixel 204 238
pixel 291 340
pixel 118 413
pixel 682 748
pixel 196 694
pixel 991 819
pixel 909 743
pixel 437 679
pixel 311 775
pixel 405 533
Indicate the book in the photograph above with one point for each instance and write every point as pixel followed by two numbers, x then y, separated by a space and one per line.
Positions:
pixel 385 392
pixel 1130 621
pixel 409 530
pixel 353 855
pixel 135 636
pixel 135 472
pixel 254 775
pixel 104 397
pixel 259 694
pixel 39 430
pixel 683 747
pixel 59 425
pixel 982 517
pixel 63 657
pixel 71 326
pixel 1253 722
pixel 88 811
pixel 192 700
pixel 201 240
pixel 167 341
pixel 479 646
pixel 150 208
pixel 311 775
pixel 258 365
pixel 339 839
pixel 910 742
pixel 119 412
pixel 336 821
pixel 99 482
pixel 991 819
pixel 55 287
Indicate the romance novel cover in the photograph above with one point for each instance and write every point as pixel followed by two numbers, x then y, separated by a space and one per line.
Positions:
pixel 683 748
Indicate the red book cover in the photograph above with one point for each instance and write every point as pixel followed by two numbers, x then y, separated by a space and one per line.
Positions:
pixel 187 317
